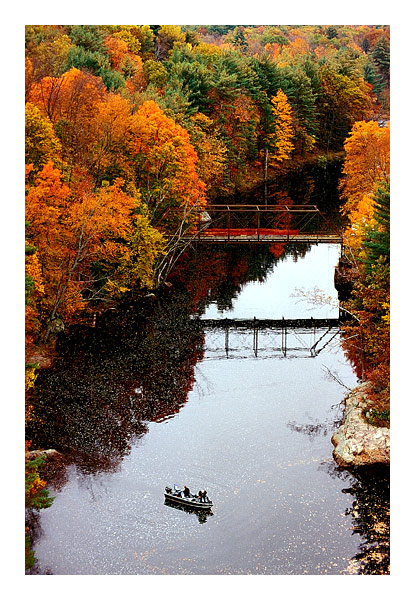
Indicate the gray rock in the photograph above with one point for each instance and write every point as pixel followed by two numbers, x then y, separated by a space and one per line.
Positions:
pixel 356 443
pixel 32 454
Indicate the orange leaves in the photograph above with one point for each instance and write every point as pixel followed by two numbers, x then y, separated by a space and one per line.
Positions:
pixel 164 161
pixel 101 216
pixel 298 47
pixel 76 229
pixel 367 164
pixel 117 49
pixel 62 97
pixel 45 203
pixel 367 160
pixel 70 103
pixel 70 231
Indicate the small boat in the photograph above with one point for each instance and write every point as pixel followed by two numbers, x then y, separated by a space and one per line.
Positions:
pixel 177 496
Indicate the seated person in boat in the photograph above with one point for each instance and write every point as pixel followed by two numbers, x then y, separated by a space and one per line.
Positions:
pixel 186 492
pixel 204 496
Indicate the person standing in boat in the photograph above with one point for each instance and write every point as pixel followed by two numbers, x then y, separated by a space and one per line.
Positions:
pixel 200 496
pixel 186 492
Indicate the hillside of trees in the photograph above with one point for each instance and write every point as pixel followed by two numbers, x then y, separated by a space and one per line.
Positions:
pixel 124 123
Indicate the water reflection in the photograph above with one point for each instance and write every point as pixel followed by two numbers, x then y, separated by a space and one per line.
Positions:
pixel 202 516
pixel 111 379
pixel 214 274
pixel 136 368
pixel 371 518
pixel 137 365
pixel 368 488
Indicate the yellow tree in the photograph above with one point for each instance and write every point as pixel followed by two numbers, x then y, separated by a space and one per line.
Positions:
pixel 167 37
pixel 109 128
pixel 211 151
pixel 281 144
pixel 367 161
pixel 136 266
pixel 41 143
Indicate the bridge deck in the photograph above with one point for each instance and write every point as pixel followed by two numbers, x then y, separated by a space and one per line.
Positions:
pixel 306 238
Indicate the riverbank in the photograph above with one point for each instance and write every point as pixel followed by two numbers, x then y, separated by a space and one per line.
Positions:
pixel 356 442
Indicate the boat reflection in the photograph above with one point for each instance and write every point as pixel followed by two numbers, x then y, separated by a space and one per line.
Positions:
pixel 201 515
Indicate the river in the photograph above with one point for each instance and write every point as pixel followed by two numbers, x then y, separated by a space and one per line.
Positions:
pixel 142 402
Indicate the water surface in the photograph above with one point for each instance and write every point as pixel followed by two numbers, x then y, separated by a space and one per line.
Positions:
pixel 253 430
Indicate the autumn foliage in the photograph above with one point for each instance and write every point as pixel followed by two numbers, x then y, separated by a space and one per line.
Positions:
pixel 164 163
pixel 365 188
pixel 131 129
pixel 282 138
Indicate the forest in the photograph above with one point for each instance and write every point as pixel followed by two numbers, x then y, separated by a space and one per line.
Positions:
pixel 129 130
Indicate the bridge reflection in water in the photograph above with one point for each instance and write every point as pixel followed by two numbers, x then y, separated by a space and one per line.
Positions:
pixel 242 338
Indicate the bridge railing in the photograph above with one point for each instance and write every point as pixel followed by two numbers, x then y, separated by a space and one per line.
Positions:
pixel 273 224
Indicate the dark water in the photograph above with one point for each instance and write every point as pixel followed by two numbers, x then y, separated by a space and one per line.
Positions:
pixel 149 399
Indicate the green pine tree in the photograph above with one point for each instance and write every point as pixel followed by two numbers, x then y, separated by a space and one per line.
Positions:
pixel 381 57
pixel 377 242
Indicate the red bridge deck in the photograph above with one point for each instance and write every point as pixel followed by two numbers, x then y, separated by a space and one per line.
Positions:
pixel 268 236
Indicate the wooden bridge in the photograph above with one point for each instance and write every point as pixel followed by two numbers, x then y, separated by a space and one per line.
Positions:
pixel 273 224
pixel 229 237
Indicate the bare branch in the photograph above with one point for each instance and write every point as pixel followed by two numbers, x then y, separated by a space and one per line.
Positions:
pixel 334 376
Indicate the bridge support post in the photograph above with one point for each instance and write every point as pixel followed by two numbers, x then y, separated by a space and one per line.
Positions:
pixel 256 331
pixel 258 222
pixel 284 338
pixel 227 339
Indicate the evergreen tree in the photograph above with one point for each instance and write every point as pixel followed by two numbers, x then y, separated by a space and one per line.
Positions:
pixel 89 37
pixel 381 57
pixel 267 73
pixel 297 86
pixel 377 242
pixel 372 76
pixel 239 40
pixel 191 78
pixel 331 32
